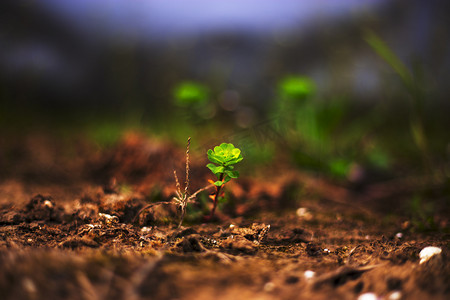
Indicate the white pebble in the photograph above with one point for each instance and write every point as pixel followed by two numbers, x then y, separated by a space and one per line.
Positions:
pixel 428 252
pixel 269 286
pixel 309 274
pixel 48 204
pixel 396 295
pixel 304 213
pixel 399 235
pixel 146 229
pixel 108 219
pixel 29 285
pixel 368 296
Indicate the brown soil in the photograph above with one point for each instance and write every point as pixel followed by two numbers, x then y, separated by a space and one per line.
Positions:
pixel 70 229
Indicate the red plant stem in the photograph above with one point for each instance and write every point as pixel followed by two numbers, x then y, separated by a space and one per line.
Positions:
pixel 216 196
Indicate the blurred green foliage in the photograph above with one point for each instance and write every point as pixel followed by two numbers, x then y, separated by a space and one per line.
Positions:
pixel 189 93
pixel 415 86
pixel 422 214
pixel 295 87
pixel 321 132
pixel 193 102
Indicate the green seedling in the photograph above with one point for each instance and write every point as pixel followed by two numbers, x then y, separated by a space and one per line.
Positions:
pixel 223 158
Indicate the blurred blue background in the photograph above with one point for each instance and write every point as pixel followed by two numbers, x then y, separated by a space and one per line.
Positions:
pixel 113 55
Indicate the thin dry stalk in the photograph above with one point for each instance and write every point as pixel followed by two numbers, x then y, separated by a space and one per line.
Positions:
pixel 186 188
pixel 182 198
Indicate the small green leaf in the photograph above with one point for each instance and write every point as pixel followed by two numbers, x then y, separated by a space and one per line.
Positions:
pixel 218 183
pixel 236 152
pixel 218 149
pixel 215 169
pixel 232 174
pixel 213 158
pixel 234 161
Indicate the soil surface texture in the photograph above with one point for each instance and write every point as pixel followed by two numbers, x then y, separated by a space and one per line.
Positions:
pixel 100 224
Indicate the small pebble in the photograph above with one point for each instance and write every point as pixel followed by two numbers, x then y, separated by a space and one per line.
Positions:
pixel 146 229
pixel 428 252
pixel 48 204
pixel 309 274
pixel 368 296
pixel 399 235
pixel 396 295
pixel 108 219
pixel 269 286
pixel 304 213
pixel 29 285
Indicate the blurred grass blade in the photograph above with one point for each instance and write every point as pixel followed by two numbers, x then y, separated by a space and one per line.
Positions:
pixel 390 57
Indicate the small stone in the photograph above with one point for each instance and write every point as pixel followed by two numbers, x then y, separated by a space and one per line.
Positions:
pixel 368 296
pixel 108 219
pixel 304 213
pixel 309 274
pixel 396 295
pixel 29 285
pixel 399 235
pixel 48 204
pixel 146 229
pixel 428 252
pixel 269 287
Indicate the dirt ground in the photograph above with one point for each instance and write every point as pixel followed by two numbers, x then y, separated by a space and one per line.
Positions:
pixel 76 225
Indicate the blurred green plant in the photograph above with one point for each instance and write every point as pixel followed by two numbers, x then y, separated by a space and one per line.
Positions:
pixel 193 100
pixel 296 87
pixel 189 93
pixel 310 124
pixel 414 84
pixel 422 214
pixel 223 158
pixel 322 132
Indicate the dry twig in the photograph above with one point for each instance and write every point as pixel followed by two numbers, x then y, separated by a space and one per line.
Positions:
pixel 182 198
